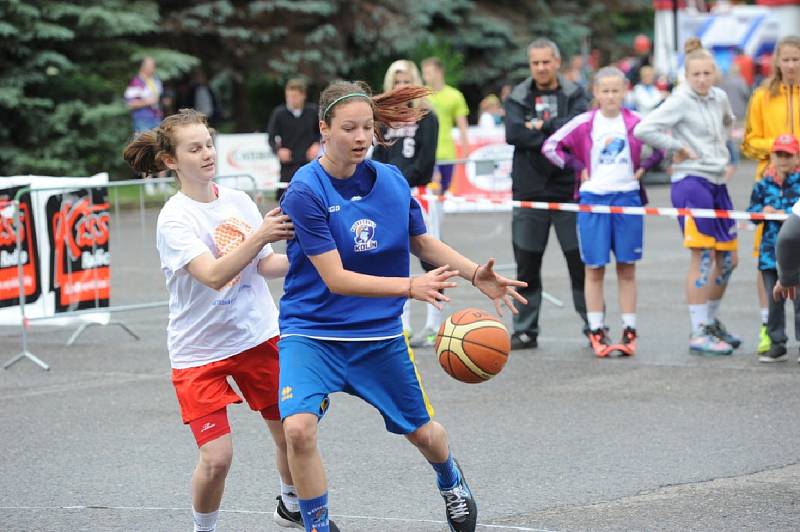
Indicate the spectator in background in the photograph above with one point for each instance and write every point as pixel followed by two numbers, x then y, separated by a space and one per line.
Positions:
pixel 576 72
pixel 451 109
pixel 203 98
pixel 505 91
pixel 646 96
pixel 413 152
pixel 491 112
pixel 735 86
pixel 777 192
pixel 143 97
pixel 293 131
pixel 536 109
pixel 773 111
pixel 643 49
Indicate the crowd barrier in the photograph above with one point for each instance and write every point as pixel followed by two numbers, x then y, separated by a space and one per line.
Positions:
pixel 56 240
pixel 55 250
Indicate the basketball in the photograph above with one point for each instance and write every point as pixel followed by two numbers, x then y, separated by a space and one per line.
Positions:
pixel 472 345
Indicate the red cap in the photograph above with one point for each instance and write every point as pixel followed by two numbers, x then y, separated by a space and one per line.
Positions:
pixel 641 44
pixel 787 144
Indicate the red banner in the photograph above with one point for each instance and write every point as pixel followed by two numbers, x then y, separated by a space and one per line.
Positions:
pixel 10 256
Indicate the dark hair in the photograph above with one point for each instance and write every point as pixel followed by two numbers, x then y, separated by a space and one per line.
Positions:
pixel 388 108
pixel 146 151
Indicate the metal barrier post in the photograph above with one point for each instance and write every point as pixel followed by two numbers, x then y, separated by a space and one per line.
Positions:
pixel 21 274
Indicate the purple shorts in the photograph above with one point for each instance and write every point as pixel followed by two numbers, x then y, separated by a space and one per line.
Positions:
pixel 694 192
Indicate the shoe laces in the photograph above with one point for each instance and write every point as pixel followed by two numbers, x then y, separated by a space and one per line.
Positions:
pixel 456 502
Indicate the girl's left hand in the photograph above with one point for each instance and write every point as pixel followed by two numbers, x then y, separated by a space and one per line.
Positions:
pixel 498 288
pixel 639 174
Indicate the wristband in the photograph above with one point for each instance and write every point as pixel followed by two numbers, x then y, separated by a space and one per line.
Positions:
pixel 410 285
pixel 475 274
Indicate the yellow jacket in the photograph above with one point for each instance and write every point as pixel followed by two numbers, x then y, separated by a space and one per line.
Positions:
pixel 767 117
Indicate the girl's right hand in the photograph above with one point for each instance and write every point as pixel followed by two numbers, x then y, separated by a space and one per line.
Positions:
pixel 584 175
pixel 426 287
pixel 276 226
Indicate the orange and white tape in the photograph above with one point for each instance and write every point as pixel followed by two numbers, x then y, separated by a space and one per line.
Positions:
pixel 608 209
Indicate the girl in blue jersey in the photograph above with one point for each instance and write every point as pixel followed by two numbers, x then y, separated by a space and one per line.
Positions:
pixel 355 223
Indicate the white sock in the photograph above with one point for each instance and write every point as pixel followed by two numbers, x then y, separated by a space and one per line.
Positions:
pixel 289 497
pixel 205 522
pixel 629 320
pixel 434 318
pixel 406 317
pixel 764 315
pixel 713 309
pixel 595 320
pixel 699 316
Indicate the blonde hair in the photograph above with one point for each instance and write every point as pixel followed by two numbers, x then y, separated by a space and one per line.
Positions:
pixel 691 44
pixel 401 66
pixel 775 80
pixel 146 152
pixel 697 54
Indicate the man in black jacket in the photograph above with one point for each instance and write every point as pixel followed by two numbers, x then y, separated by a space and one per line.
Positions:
pixel 293 131
pixel 535 109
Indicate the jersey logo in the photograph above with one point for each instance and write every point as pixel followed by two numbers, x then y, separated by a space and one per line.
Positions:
pixel 364 235
pixel 334 208
pixel 611 151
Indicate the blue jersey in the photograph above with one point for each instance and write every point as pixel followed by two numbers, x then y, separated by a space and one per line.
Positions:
pixel 371 233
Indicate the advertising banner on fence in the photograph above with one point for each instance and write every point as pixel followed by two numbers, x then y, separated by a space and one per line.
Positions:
pixel 65 249
pixel 247 153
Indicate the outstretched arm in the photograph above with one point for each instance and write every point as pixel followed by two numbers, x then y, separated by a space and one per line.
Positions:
pixel 495 287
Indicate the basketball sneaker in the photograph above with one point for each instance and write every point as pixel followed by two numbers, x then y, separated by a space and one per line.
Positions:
pixel 627 346
pixel 460 506
pixel 425 338
pixel 721 332
pixel 764 341
pixel 283 517
pixel 601 345
pixel 706 342
pixel 776 353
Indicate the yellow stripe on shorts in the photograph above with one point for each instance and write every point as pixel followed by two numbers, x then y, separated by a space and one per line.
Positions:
pixel 428 405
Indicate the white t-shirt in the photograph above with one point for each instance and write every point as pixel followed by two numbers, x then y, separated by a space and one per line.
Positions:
pixel 612 169
pixel 206 325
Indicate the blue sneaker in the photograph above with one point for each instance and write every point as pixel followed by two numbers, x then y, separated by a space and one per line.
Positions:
pixel 721 332
pixel 460 507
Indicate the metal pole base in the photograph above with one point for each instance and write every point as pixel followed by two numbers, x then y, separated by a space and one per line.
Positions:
pixel 30 356
pixel 84 326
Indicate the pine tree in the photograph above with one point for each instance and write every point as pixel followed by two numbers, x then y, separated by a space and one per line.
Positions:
pixel 63 69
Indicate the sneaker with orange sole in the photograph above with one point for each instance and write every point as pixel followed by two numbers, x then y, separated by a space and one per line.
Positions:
pixel 600 343
pixel 627 346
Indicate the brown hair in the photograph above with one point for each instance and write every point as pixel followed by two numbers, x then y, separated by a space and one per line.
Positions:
pixel 388 108
pixel 775 80
pixel 296 84
pixel 691 44
pixel 145 153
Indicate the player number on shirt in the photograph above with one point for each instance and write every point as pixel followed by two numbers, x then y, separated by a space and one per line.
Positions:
pixel 409 147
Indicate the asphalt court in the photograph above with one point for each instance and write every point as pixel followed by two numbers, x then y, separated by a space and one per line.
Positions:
pixel 558 441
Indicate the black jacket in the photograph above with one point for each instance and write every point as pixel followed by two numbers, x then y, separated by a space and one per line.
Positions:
pixel 413 150
pixel 296 133
pixel 533 176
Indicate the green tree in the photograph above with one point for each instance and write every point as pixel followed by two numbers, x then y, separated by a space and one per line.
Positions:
pixel 63 69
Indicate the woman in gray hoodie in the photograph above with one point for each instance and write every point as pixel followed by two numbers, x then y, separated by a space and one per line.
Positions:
pixel 698 118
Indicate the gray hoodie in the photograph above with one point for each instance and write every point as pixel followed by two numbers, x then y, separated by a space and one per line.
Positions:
pixel 702 123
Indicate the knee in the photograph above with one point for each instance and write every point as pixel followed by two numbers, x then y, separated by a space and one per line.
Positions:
pixel 216 463
pixel 626 272
pixel 595 274
pixel 300 432
pixel 426 436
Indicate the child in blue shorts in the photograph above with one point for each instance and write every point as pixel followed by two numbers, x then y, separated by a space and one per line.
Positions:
pixel 777 192
pixel 600 146
pixel 341 330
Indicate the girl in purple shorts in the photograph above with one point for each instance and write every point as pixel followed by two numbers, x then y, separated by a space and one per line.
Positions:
pixel 699 117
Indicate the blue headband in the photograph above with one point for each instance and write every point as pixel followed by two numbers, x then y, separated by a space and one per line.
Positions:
pixel 340 98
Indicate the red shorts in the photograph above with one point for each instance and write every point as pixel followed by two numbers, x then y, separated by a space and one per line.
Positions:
pixel 205 389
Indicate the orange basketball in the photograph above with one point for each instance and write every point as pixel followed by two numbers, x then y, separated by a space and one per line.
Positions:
pixel 472 345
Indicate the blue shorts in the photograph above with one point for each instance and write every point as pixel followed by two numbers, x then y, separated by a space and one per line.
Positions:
pixel 381 372
pixel 599 233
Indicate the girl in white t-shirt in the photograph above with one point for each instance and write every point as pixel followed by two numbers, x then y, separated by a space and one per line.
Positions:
pixel 215 253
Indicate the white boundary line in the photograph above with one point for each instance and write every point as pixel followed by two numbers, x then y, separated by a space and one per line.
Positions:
pixel 260 512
